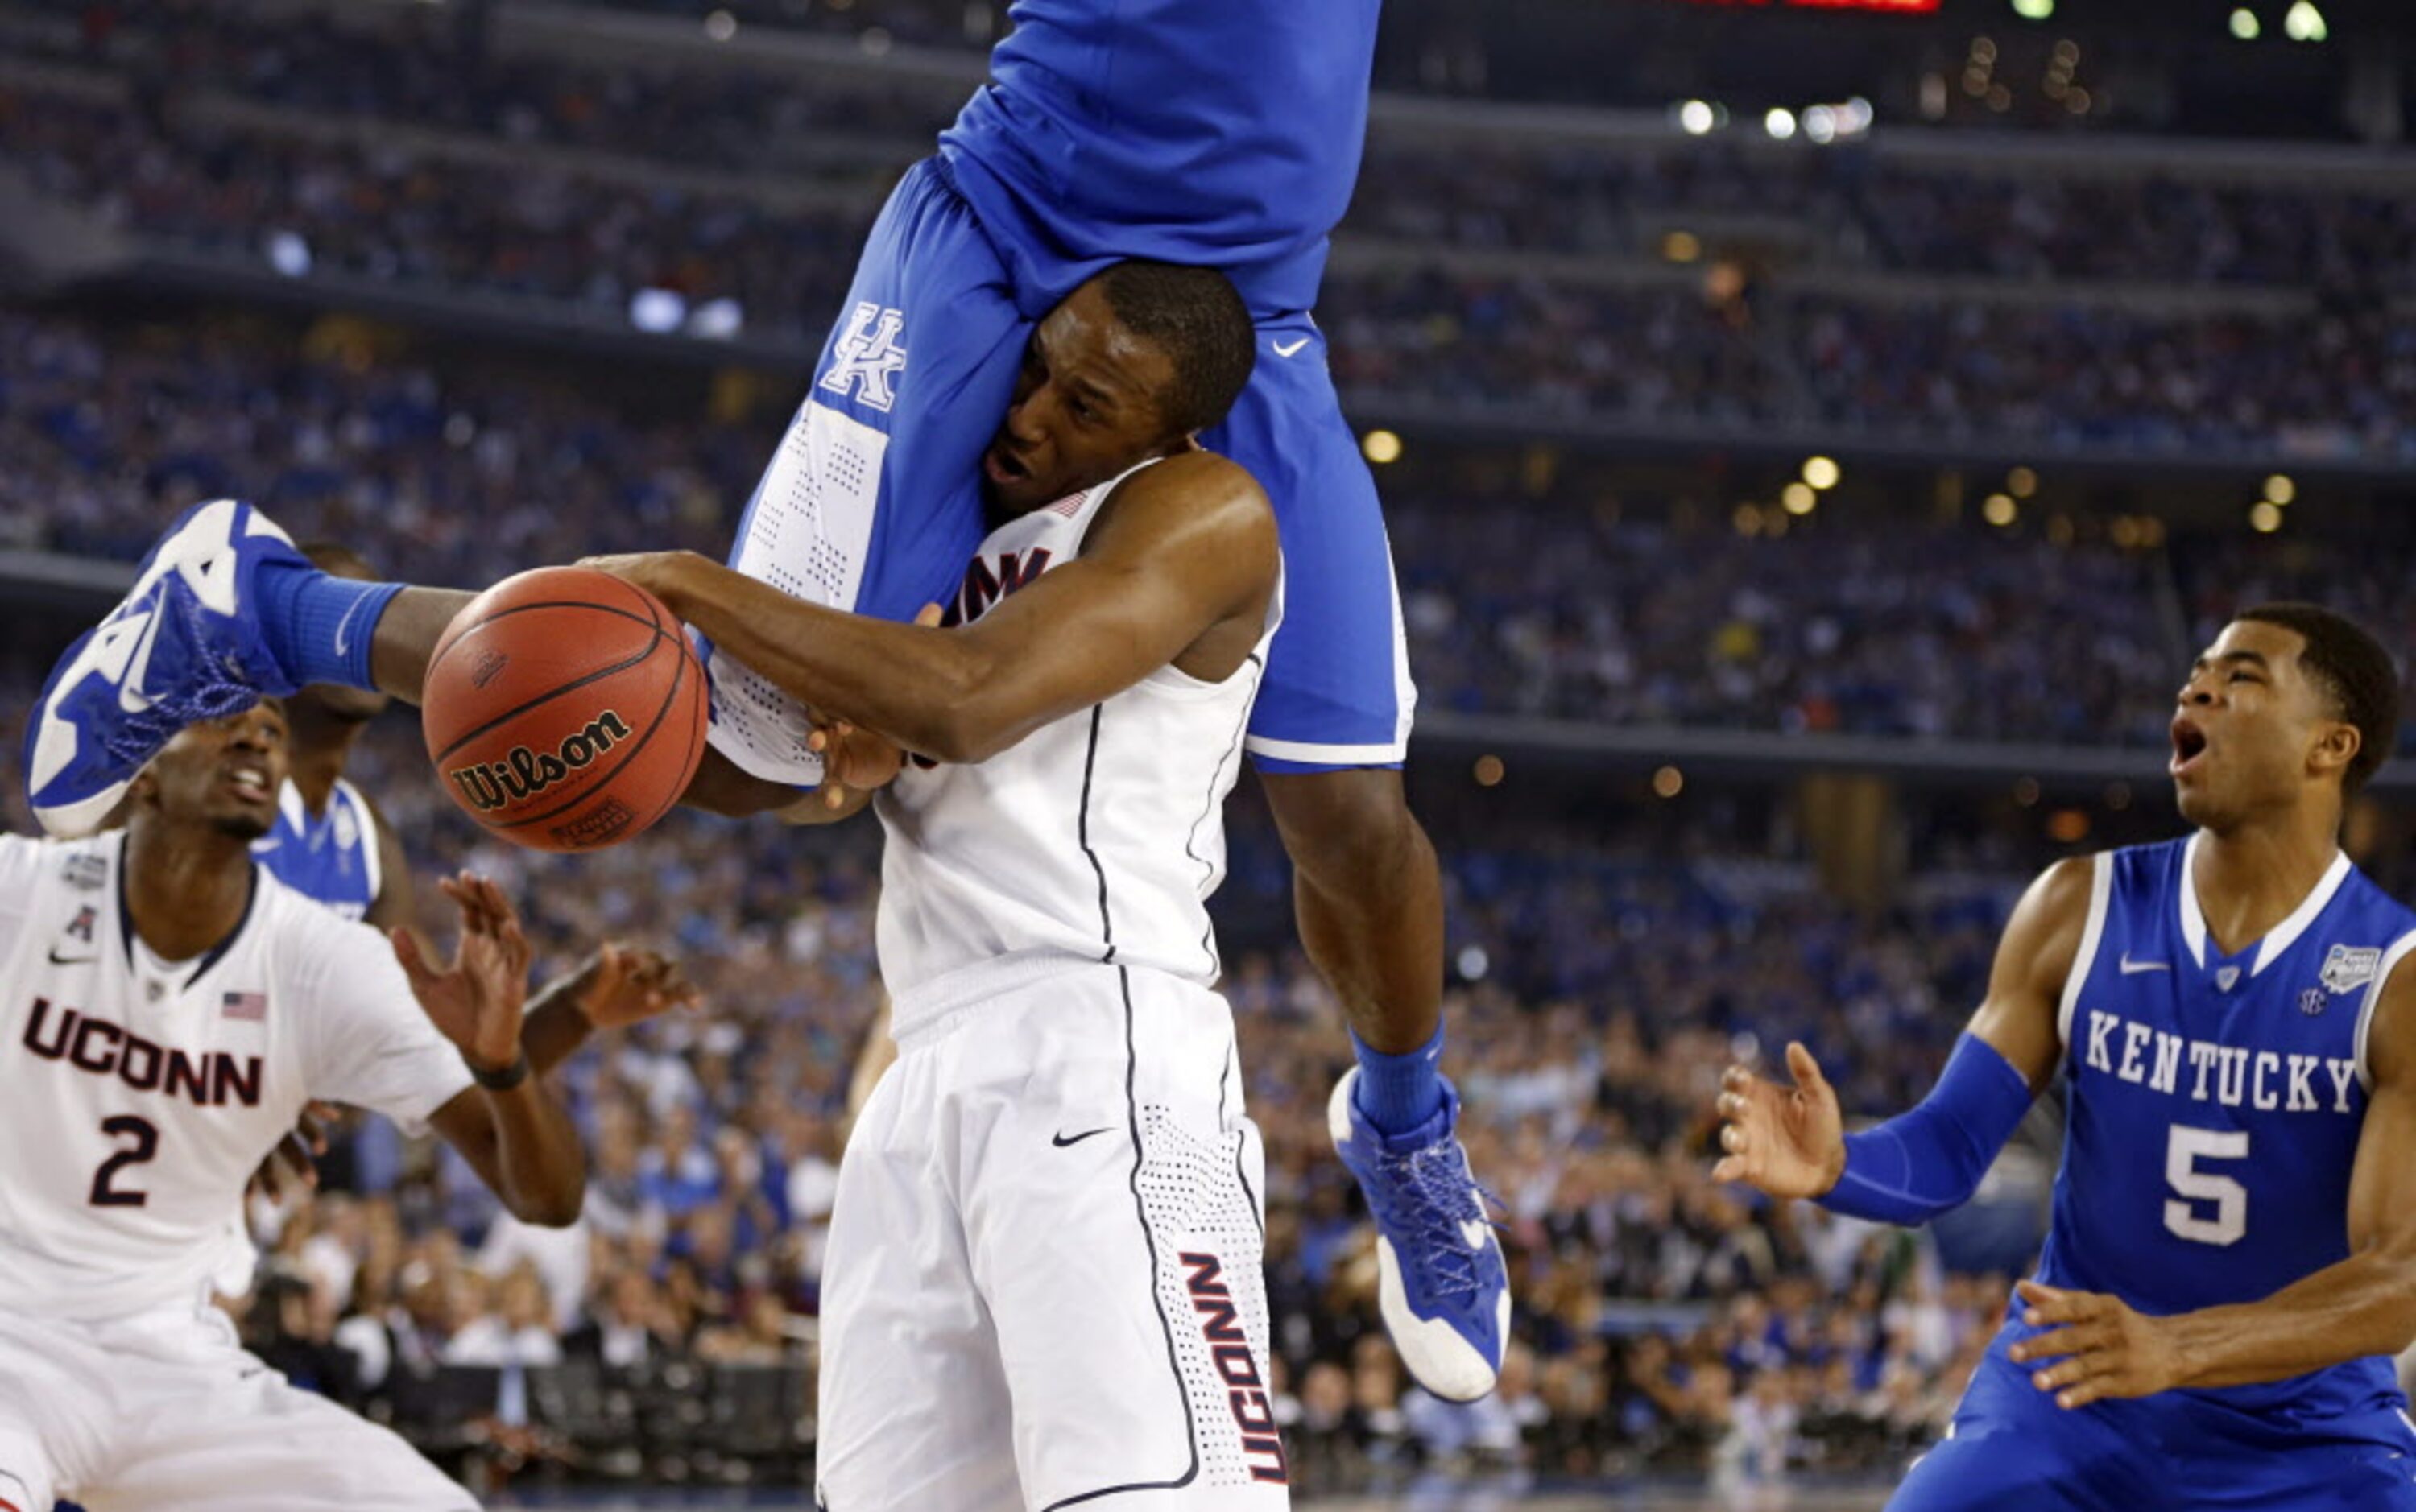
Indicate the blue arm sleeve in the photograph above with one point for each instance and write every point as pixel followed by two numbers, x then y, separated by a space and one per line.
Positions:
pixel 1912 1168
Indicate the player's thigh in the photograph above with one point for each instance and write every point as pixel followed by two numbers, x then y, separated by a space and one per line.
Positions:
pixel 58 1411
pixel 1117 1235
pixel 913 1407
pixel 229 1434
pixel 1336 691
pixel 873 501
pixel 2011 1449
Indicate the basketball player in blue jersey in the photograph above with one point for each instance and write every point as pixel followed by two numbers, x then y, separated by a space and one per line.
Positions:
pixel 1226 135
pixel 2232 1258
pixel 331 843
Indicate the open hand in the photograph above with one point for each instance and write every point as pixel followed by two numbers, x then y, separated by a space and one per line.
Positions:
pixel 2101 1346
pixel 1789 1142
pixel 624 984
pixel 476 999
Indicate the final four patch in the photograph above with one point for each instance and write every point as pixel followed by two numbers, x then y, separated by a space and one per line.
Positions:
pixel 2347 970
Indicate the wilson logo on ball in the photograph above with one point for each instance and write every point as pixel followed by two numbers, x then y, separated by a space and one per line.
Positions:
pixel 523 774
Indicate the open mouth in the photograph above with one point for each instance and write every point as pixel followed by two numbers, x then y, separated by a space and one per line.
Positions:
pixel 2189 745
pixel 1004 467
pixel 251 783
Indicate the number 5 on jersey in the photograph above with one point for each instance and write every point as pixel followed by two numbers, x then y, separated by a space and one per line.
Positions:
pixel 2183 1214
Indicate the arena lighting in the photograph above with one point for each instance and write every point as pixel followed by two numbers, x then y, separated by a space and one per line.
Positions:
pixel 1681 246
pixel 1820 123
pixel 289 254
pixel 1998 510
pixel 2304 23
pixel 1381 446
pixel 2021 482
pixel 657 311
pixel 1488 772
pixel 1779 123
pixel 2264 516
pixel 1797 499
pixel 1822 472
pixel 1695 118
pixel 2281 490
pixel 2244 25
pixel 2034 9
pixel 721 27
pixel 1669 781
pixel 1475 964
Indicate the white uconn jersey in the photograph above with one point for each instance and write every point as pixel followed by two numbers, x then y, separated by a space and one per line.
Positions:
pixel 138 1096
pixel 1098 838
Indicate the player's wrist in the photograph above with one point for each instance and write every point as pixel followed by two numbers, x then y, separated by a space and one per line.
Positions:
pixel 499 1076
pixel 1833 1170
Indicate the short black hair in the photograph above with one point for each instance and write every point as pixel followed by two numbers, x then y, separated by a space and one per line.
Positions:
pixel 1198 320
pixel 2349 667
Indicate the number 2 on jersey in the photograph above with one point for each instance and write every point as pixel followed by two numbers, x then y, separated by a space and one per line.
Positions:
pixel 144 1136
pixel 2183 1216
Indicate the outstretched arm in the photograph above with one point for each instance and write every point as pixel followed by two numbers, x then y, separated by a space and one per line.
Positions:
pixel 1183 547
pixel 514 1133
pixel 2364 1305
pixel 1791 1142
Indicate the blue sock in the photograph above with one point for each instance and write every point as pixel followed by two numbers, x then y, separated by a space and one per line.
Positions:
pixel 1398 1093
pixel 319 627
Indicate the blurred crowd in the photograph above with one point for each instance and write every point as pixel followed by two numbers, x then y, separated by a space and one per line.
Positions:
pixel 311 178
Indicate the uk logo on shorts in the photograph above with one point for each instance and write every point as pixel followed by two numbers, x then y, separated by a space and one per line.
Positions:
pixel 868 358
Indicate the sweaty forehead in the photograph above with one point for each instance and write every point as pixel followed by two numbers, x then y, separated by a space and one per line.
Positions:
pixel 1083 339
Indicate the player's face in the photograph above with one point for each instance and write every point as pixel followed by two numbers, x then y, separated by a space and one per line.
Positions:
pixel 224 773
pixel 1086 408
pixel 2251 729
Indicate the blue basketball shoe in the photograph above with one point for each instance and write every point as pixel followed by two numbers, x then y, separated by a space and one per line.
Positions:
pixel 183 646
pixel 1441 1281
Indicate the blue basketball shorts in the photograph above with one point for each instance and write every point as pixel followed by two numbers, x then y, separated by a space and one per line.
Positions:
pixel 2011 1449
pixel 873 502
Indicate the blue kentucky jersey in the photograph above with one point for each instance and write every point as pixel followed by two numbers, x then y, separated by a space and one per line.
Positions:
pixel 332 858
pixel 1217 132
pixel 2216 1104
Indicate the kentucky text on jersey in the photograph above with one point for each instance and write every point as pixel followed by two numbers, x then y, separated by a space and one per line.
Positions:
pixel 2232 1076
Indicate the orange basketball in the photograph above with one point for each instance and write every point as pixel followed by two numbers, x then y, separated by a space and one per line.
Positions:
pixel 564 708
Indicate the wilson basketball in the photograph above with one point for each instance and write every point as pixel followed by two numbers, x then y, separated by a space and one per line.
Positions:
pixel 564 710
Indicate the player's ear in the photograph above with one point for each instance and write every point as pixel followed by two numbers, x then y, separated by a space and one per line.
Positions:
pixel 2337 743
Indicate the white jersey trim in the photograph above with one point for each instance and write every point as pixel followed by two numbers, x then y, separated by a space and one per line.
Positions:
pixel 2101 894
pixel 2391 958
pixel 1333 754
pixel 371 860
pixel 2278 939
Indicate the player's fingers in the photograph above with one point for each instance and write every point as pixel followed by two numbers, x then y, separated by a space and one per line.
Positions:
pixel 929 614
pixel 1729 1168
pixel 406 953
pixel 1800 1063
pixel 1732 1139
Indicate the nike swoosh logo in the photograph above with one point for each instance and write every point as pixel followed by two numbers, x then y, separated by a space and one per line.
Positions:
pixel 58 960
pixel 344 628
pixel 1291 350
pixel 2132 968
pixel 1476 1233
pixel 1061 1140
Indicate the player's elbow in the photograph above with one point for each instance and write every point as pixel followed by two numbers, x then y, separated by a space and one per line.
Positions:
pixel 556 1205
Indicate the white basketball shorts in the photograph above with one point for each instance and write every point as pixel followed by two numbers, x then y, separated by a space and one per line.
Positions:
pixel 1043 1288
pixel 167 1411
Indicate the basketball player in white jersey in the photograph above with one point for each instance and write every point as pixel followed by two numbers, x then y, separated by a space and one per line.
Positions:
pixel 1043 1286
pixel 167 1008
